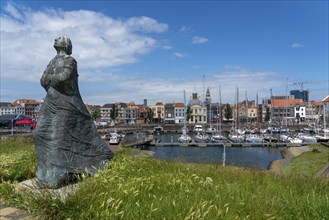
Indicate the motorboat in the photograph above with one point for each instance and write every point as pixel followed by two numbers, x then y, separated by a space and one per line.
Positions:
pixel 253 138
pixel 198 129
pixel 269 138
pixel 211 130
pixel 306 138
pixel 201 138
pixel 217 137
pixel 235 138
pixel 295 140
pixel 184 138
pixel 323 135
pixel 289 139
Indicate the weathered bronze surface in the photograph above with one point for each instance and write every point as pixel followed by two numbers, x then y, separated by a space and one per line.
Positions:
pixel 67 142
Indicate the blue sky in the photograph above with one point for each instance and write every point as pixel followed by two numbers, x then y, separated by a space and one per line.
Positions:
pixel 131 50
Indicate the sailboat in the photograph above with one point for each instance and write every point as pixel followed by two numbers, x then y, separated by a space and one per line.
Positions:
pixel 251 138
pixel 323 134
pixel 217 136
pixel 235 133
pixel 185 138
pixel 211 130
pixel 201 138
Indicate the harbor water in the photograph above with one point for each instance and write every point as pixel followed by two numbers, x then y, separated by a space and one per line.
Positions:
pixel 256 157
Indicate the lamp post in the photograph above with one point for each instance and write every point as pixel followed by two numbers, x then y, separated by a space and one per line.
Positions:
pixel 224 156
pixel 12 126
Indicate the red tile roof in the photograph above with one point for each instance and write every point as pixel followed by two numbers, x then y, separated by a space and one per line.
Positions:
pixel 288 102
pixel 179 105
pixel 317 103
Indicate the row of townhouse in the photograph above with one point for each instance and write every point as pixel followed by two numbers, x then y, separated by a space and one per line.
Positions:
pixel 279 109
pixel 170 113
pixel 199 112
pixel 27 107
pixel 296 110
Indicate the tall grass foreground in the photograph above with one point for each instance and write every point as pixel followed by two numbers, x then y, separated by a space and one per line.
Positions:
pixel 145 188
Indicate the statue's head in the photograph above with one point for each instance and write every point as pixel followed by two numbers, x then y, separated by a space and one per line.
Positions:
pixel 63 43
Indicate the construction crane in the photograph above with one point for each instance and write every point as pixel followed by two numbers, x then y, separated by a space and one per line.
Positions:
pixel 302 83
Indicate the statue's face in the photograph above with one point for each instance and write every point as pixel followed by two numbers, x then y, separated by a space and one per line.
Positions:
pixel 63 42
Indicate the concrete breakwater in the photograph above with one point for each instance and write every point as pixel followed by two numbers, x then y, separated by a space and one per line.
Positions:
pixel 288 154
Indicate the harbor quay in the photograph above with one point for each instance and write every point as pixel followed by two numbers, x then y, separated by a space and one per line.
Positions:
pixel 177 128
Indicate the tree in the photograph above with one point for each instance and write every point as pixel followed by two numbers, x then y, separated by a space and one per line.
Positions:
pixel 188 113
pixel 228 112
pixel 268 114
pixel 114 112
pixel 96 114
pixel 150 114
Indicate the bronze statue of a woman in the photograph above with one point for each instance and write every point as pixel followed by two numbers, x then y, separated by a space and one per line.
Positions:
pixel 66 139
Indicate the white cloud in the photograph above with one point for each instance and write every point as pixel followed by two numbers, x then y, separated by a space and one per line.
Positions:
pixel 169 89
pixel 145 24
pixel 232 67
pixel 199 40
pixel 297 45
pixel 99 42
pixel 167 47
pixel 13 11
pixel 186 29
pixel 251 81
pixel 180 55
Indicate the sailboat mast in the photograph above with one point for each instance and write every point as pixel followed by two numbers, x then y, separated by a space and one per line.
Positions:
pixel 286 104
pixel 237 107
pixel 257 111
pixel 184 113
pixel 324 116
pixel 220 109
pixel 246 110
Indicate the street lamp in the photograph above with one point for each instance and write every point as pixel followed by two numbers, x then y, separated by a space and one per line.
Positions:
pixel 12 126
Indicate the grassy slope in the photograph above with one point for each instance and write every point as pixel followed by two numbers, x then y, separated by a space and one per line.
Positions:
pixel 17 159
pixel 144 188
pixel 308 163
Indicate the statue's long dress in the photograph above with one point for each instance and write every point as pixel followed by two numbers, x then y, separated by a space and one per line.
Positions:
pixel 66 138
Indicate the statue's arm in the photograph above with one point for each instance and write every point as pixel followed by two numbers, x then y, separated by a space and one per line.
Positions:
pixel 66 73
pixel 45 82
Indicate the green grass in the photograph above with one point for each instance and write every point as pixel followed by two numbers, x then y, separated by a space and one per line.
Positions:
pixel 17 159
pixel 145 188
pixel 308 163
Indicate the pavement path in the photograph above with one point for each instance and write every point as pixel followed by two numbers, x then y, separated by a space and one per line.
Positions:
pixel 10 213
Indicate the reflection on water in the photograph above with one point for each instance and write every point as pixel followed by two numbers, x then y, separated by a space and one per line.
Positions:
pixel 258 157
